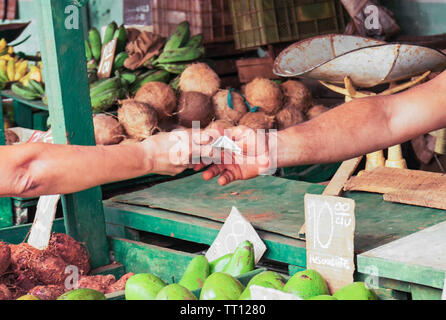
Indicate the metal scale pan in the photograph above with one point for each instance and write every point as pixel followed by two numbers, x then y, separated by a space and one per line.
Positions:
pixel 367 62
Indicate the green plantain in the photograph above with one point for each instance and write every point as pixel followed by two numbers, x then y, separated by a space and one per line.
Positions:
pixel 195 42
pixel 179 55
pixel 109 33
pixel 95 42
pixel 179 38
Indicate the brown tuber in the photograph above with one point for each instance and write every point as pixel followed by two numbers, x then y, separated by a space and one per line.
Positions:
pixel 5 257
pixel 265 94
pixel 5 294
pixel 50 292
pixel 195 106
pixel 222 109
pixel 316 111
pixel 98 283
pixel 288 117
pixel 138 119
pixel 297 94
pixel 120 284
pixel 160 96
pixel 257 121
pixel 107 130
pixel 199 77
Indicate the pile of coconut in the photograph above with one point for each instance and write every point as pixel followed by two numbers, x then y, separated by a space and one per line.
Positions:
pixel 156 107
pixel 25 270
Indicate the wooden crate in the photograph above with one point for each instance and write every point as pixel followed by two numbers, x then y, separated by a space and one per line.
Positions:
pixel 251 68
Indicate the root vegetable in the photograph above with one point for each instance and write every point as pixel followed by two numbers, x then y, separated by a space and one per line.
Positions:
pixel 11 137
pixel 138 119
pixel 265 94
pixel 160 96
pixel 47 292
pixel 316 111
pixel 195 106
pixel 257 121
pixel 289 117
pixel 120 284
pixel 5 257
pixel 222 109
pixel 107 130
pixel 71 251
pixel 199 77
pixel 5 294
pixel 98 283
pixel 297 94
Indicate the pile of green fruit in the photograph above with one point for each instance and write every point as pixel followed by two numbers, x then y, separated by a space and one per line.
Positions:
pixel 179 51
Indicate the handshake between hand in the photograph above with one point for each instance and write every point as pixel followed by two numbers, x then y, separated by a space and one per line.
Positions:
pixel 180 150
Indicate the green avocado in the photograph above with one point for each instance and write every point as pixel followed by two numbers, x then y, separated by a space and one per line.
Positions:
pixel 323 297
pixel 355 291
pixel 221 286
pixel 175 292
pixel 307 284
pixel 196 274
pixel 219 264
pixel 267 279
pixel 242 261
pixel 82 294
pixel 143 286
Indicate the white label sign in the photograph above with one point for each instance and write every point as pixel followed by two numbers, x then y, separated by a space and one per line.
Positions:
pixel 330 238
pixel 107 59
pixel 43 222
pixel 261 293
pixel 235 231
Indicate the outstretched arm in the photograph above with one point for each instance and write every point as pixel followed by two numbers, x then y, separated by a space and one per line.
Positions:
pixel 365 125
pixel 40 169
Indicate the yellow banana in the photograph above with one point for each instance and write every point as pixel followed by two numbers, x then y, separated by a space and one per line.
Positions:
pixel 10 50
pixel 6 57
pixel 3 65
pixel 35 74
pixel 21 70
pixel 10 70
pixel 3 44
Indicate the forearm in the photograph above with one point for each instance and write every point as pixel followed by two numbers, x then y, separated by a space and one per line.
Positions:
pixel 39 169
pixel 351 130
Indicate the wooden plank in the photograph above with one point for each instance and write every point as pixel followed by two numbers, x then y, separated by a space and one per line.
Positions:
pixel 425 293
pixel 418 258
pixel 23 115
pixel 17 234
pixel 63 53
pixel 36 104
pixel 197 230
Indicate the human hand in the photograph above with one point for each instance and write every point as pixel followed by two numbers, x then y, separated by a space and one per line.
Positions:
pixel 256 157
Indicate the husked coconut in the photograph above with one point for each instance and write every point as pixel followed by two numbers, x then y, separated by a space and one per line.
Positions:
pixel 289 117
pixel 160 96
pixel 195 106
pixel 222 109
pixel 107 130
pixel 257 121
pixel 297 94
pixel 199 77
pixel 11 137
pixel 223 124
pixel 265 94
pixel 138 119
pixel 316 111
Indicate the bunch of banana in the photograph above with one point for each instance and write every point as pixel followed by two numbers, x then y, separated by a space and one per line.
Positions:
pixel 33 91
pixel 35 73
pixel 104 93
pixel 95 45
pixel 180 50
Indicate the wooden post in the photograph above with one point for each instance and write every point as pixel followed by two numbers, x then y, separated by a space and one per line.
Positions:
pixel 65 73
pixel 5 203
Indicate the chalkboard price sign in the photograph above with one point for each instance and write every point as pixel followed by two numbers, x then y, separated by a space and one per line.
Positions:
pixel 107 59
pixel 138 12
pixel 330 238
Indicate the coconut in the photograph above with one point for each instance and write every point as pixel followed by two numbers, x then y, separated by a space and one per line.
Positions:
pixel 11 137
pixel 5 257
pixel 160 96
pixel 265 94
pixel 71 251
pixel 195 106
pixel 199 77
pixel 316 111
pixel 138 119
pixel 120 284
pixel 222 109
pixel 47 292
pixel 98 283
pixel 127 142
pixel 107 130
pixel 224 124
pixel 5 294
pixel 289 117
pixel 297 94
pixel 257 121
